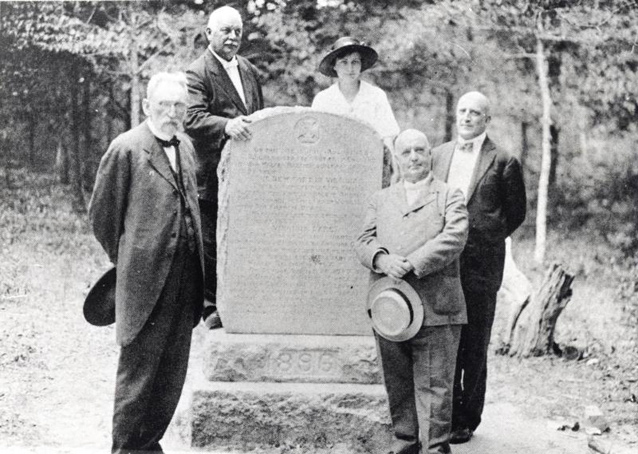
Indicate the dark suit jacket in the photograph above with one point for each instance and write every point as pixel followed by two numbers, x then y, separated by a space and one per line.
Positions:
pixel 136 215
pixel 431 234
pixel 213 100
pixel 496 204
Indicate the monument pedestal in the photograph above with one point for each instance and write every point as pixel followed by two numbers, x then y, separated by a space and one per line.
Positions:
pixel 261 390
pixel 295 364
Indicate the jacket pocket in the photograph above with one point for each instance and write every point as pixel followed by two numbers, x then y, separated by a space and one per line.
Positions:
pixel 449 297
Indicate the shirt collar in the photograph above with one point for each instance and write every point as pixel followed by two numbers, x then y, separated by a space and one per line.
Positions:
pixel 477 142
pixel 156 132
pixel 233 63
pixel 418 185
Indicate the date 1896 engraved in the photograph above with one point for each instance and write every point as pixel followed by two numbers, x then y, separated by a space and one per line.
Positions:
pixel 296 362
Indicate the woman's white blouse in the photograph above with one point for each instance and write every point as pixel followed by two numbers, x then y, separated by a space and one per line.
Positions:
pixel 370 105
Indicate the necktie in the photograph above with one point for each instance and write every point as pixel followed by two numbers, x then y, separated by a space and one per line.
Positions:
pixel 173 142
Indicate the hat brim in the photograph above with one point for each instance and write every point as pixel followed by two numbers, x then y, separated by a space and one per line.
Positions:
pixel 369 57
pixel 388 283
pixel 99 305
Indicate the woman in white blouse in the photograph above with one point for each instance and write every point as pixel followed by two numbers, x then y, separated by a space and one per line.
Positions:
pixel 350 95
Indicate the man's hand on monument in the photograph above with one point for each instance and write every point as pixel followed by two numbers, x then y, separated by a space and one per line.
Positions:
pixel 393 265
pixel 237 128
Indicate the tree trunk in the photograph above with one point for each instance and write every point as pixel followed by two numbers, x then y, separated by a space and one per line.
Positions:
pixel 554 135
pixel 89 160
pixel 79 204
pixel 532 333
pixel 543 183
pixel 6 147
pixel 32 128
pixel 450 115
pixel 62 162
pixel 515 293
pixel 135 84
pixel 524 142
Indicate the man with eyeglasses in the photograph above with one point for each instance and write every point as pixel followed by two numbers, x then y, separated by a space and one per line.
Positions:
pixel 145 215
pixel 492 182
pixel 224 89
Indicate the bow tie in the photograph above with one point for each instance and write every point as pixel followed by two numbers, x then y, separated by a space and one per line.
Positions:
pixel 466 147
pixel 174 142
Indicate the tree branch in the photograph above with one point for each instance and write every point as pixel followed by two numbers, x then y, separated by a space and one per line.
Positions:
pixel 148 60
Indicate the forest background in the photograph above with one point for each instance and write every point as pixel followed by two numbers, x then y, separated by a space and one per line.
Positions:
pixel 562 77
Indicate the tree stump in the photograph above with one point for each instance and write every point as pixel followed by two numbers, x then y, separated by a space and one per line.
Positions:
pixel 515 292
pixel 532 330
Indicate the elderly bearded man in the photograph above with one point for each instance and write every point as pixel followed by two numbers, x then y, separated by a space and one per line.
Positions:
pixel 145 215
pixel 414 233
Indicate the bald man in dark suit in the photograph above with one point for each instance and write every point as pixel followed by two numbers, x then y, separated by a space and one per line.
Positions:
pixel 224 90
pixel 492 181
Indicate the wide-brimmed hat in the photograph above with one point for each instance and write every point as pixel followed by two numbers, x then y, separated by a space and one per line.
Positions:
pixel 99 305
pixel 343 46
pixel 395 309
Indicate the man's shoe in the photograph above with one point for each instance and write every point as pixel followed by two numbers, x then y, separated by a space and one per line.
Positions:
pixel 459 436
pixel 213 321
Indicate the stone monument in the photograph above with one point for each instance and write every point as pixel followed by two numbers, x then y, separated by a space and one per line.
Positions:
pixel 296 362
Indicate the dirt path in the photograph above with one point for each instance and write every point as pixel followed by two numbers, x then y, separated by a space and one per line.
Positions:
pixel 79 405
pixel 58 373
pixel 505 431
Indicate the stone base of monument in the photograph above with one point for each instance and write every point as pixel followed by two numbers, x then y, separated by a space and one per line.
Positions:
pixel 267 391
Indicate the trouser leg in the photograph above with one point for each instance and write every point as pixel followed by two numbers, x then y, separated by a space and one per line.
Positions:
pixel 208 209
pixel 152 369
pixel 471 369
pixel 173 366
pixel 434 351
pixel 396 364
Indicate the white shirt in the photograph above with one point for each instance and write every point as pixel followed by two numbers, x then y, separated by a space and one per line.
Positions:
pixel 232 69
pixel 170 151
pixel 463 163
pixel 370 105
pixel 413 190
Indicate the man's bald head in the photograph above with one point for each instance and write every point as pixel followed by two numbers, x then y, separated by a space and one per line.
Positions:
pixel 224 31
pixel 410 136
pixel 413 154
pixel 472 115
pixel 220 14
pixel 477 98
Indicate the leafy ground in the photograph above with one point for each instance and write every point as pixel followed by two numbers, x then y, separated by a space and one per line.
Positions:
pixel 57 372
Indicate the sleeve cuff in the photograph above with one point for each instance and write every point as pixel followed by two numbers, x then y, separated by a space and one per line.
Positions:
pixel 379 251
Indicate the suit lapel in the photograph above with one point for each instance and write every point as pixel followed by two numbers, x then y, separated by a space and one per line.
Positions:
pixel 222 77
pixel 398 196
pixel 157 158
pixel 249 85
pixel 443 166
pixel 485 159
pixel 427 196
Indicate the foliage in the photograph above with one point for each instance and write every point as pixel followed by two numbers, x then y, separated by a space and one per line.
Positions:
pixel 430 52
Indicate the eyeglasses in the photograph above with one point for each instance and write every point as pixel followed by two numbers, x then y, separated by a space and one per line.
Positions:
pixel 179 107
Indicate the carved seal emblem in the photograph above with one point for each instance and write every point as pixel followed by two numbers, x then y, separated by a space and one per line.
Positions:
pixel 307 130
